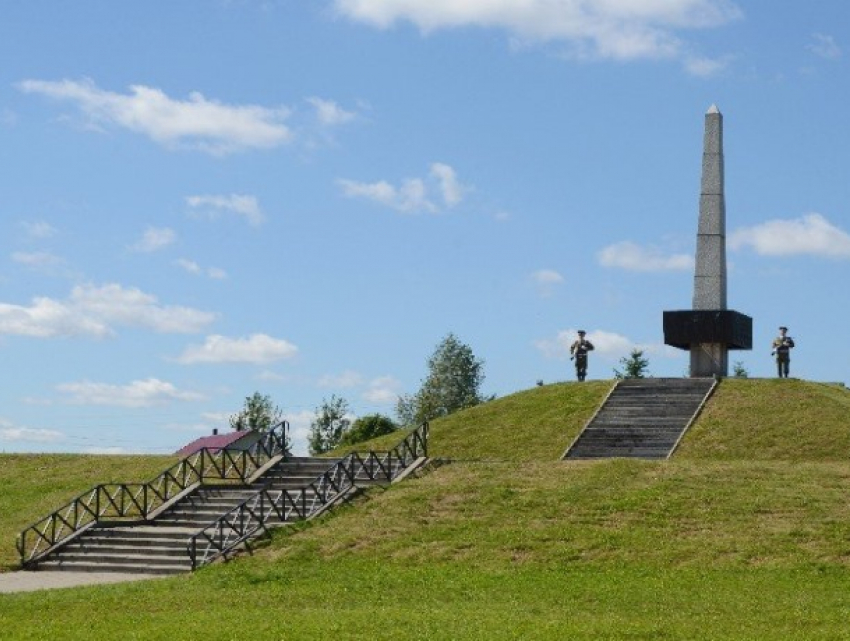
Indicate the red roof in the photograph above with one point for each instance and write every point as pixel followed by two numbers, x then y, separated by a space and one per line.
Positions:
pixel 214 442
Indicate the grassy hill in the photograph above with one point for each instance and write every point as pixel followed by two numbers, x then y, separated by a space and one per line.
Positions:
pixel 744 534
pixel 746 419
pixel 33 485
pixel 772 419
pixel 536 424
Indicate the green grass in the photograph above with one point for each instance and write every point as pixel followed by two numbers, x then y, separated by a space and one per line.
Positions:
pixel 744 534
pixel 33 485
pixel 536 424
pixel 675 514
pixel 362 599
pixel 773 419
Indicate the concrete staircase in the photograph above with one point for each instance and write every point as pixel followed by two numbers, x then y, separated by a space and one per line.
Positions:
pixel 642 418
pixel 159 546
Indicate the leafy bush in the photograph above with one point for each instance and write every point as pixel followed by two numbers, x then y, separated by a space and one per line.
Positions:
pixel 368 427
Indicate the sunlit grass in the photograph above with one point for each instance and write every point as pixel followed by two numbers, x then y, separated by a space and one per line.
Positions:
pixel 744 534
pixel 33 485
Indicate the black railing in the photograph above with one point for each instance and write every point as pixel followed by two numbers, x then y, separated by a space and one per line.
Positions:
pixel 138 501
pixel 251 517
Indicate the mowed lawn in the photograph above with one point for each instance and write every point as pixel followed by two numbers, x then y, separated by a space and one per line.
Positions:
pixel 742 535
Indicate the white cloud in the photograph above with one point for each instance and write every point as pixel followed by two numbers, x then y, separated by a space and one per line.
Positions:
pixel 329 113
pixel 133 308
pixel 605 29
pixel 383 390
pixel 811 234
pixel 189 265
pixel 239 204
pixel 39 229
pixel 256 349
pixel 10 433
pixel 609 346
pixel 299 429
pixel 412 195
pixel 706 67
pixel 546 281
pixel 37 259
pixel 95 311
pixel 47 318
pixel 450 188
pixel 218 418
pixel 824 46
pixel 407 198
pixel 154 239
pixel 197 123
pixel 346 380
pixel 631 256
pixel 547 277
pixel 605 343
pixel 194 268
pixel 151 391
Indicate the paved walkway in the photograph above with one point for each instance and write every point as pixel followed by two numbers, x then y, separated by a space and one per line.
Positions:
pixel 29 581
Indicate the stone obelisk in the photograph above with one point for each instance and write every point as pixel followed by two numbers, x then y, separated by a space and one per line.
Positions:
pixel 709 330
pixel 710 274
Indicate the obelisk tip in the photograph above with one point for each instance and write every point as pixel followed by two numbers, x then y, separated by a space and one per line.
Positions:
pixel 713 110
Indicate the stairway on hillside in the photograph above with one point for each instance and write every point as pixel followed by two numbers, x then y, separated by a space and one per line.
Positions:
pixel 160 546
pixel 642 418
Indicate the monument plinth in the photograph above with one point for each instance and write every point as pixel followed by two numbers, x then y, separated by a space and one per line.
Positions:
pixel 709 330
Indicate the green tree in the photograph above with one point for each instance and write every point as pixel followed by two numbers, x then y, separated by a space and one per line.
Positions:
pixel 453 383
pixel 368 427
pixel 739 371
pixel 405 409
pixel 634 366
pixel 329 425
pixel 258 414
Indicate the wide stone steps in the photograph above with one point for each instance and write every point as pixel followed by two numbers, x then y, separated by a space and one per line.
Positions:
pixel 641 418
pixel 127 565
pixel 161 546
pixel 141 549
pixel 644 420
pixel 205 505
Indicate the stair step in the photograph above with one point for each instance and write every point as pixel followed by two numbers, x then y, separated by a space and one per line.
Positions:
pixel 95 548
pixel 121 558
pixel 160 546
pixel 641 418
pixel 129 568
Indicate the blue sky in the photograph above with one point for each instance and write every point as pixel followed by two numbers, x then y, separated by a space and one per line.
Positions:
pixel 200 200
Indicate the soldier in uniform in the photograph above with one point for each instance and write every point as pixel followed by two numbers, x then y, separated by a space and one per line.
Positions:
pixel 782 345
pixel 578 352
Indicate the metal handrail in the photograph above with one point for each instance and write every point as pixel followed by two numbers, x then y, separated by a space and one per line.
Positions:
pixel 140 500
pixel 252 515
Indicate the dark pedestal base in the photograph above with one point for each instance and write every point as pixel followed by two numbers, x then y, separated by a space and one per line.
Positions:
pixel 708 335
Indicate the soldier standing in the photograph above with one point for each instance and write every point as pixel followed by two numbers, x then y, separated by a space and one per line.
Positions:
pixel 782 345
pixel 578 352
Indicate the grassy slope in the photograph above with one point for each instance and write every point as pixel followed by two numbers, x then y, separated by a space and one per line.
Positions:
pixel 536 424
pixel 773 419
pixel 33 485
pixel 744 534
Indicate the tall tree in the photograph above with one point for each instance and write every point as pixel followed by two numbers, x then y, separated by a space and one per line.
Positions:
pixel 258 414
pixel 331 422
pixel 453 383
